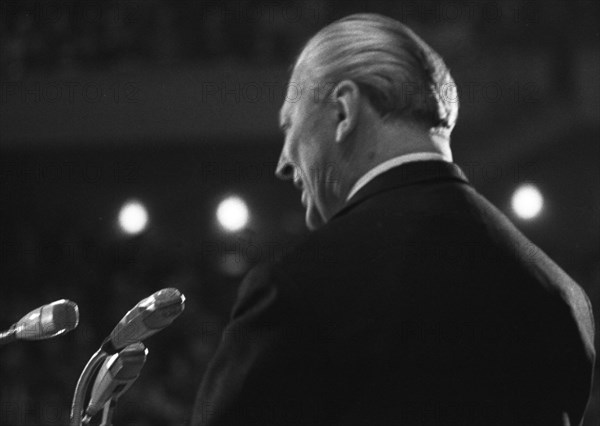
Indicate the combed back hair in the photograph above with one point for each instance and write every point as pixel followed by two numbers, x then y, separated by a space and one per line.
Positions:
pixel 398 72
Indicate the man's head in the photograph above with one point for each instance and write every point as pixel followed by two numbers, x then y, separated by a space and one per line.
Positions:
pixel 364 89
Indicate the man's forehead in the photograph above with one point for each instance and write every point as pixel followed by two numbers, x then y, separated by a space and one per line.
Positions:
pixel 300 86
pixel 284 113
pixel 289 103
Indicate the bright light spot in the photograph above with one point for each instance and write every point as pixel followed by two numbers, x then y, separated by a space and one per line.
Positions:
pixel 133 218
pixel 527 201
pixel 232 214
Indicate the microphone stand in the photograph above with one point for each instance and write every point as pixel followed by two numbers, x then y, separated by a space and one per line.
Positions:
pixel 107 412
pixel 83 385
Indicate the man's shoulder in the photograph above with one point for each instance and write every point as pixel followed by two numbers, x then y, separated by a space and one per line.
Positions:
pixel 388 220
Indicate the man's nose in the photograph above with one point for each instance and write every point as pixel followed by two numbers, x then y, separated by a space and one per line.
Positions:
pixel 284 170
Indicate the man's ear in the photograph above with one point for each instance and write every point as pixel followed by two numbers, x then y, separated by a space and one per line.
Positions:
pixel 346 100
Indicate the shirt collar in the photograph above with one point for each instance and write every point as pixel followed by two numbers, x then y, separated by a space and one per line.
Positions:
pixel 391 163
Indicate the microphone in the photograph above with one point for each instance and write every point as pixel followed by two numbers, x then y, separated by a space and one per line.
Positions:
pixel 116 375
pixel 149 316
pixel 44 322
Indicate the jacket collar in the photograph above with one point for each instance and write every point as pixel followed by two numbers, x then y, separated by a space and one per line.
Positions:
pixel 404 175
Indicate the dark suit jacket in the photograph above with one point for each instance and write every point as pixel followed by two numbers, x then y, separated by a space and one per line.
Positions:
pixel 418 304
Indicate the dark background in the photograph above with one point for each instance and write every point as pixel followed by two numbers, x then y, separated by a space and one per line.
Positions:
pixel 175 103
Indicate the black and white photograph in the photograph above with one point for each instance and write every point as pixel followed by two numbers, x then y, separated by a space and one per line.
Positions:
pixel 299 213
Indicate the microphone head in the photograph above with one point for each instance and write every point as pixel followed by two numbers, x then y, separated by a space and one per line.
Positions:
pixel 149 316
pixel 162 308
pixel 116 375
pixel 48 321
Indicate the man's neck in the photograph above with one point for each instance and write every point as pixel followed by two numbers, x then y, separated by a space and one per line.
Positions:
pixel 387 141
pixel 392 163
pixel 398 147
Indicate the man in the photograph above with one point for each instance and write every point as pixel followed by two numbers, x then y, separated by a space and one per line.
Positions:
pixel 414 301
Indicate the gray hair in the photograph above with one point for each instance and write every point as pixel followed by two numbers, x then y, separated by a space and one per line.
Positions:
pixel 397 71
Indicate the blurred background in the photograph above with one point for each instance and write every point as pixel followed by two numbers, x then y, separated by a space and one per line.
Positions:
pixel 138 141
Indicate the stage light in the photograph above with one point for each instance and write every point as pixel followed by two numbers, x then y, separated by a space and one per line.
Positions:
pixel 527 201
pixel 232 214
pixel 133 217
